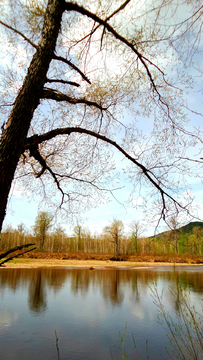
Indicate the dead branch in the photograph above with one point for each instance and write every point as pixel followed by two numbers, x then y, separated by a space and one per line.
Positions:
pixel 15 256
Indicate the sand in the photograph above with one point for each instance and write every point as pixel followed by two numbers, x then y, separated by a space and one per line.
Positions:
pixel 95 264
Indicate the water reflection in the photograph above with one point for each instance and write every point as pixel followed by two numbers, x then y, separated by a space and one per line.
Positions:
pixel 111 283
pixel 88 309
pixel 7 318
pixel 37 293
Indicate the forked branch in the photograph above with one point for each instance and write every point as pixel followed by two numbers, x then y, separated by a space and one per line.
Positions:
pixel 34 152
pixel 38 139
pixel 69 6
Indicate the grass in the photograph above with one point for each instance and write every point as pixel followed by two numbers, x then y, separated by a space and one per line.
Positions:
pixel 20 261
pixel 184 330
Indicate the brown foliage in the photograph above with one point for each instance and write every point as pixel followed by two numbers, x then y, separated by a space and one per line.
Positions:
pixel 179 259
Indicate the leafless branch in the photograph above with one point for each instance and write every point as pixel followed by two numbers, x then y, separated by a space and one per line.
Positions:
pixel 34 151
pixel 69 6
pixel 69 63
pixel 108 18
pixel 19 33
pixel 200 161
pixel 15 256
pixel 16 248
pixel 59 96
pixel 118 10
pixel 62 82
pixel 37 139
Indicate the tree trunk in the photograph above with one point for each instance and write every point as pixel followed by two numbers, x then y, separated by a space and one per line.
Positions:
pixel 14 135
pixel 117 245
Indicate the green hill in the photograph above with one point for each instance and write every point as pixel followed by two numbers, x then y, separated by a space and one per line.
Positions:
pixel 186 229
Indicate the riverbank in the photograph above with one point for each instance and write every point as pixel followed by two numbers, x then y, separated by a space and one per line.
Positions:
pixel 88 264
pixel 36 258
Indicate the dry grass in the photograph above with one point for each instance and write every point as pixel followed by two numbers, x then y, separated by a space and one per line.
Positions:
pixel 180 259
pixel 77 259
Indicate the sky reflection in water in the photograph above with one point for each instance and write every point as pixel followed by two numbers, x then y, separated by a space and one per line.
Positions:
pixel 88 309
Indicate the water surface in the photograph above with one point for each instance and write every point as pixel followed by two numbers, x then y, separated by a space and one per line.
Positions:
pixel 87 309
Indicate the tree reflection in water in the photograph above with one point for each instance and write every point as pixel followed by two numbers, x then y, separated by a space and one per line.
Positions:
pixel 88 309
pixel 110 282
pixel 37 293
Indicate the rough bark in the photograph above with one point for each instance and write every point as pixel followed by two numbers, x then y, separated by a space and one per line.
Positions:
pixel 15 133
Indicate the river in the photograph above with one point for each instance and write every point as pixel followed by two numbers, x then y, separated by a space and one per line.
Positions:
pixel 89 310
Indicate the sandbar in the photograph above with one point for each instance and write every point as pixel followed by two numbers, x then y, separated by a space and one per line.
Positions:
pixel 88 264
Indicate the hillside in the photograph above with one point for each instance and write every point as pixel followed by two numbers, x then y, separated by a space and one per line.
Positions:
pixel 186 229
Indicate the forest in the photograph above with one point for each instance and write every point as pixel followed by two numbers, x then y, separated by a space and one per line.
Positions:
pixel 113 242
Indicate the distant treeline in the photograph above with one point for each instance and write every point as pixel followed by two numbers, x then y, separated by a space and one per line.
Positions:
pixel 171 242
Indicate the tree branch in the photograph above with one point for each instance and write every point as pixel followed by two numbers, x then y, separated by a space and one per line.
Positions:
pixel 19 33
pixel 69 6
pixel 69 63
pixel 34 151
pixel 37 139
pixel 15 256
pixel 62 82
pixel 59 96
pixel 108 18
pixel 118 10
pixel 14 249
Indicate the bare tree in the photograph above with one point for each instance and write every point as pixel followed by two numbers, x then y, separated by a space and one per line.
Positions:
pixel 136 232
pixel 114 232
pixel 43 223
pixel 59 129
pixel 174 236
pixel 77 230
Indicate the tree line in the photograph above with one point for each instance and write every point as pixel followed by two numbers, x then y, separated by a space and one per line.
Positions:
pixel 112 240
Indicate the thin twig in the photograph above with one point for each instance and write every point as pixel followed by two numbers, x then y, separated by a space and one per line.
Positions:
pixel 57 347
pixel 19 33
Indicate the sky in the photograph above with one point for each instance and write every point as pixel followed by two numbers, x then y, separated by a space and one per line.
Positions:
pixel 22 208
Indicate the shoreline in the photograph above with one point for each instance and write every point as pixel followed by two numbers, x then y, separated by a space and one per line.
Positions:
pixel 87 264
